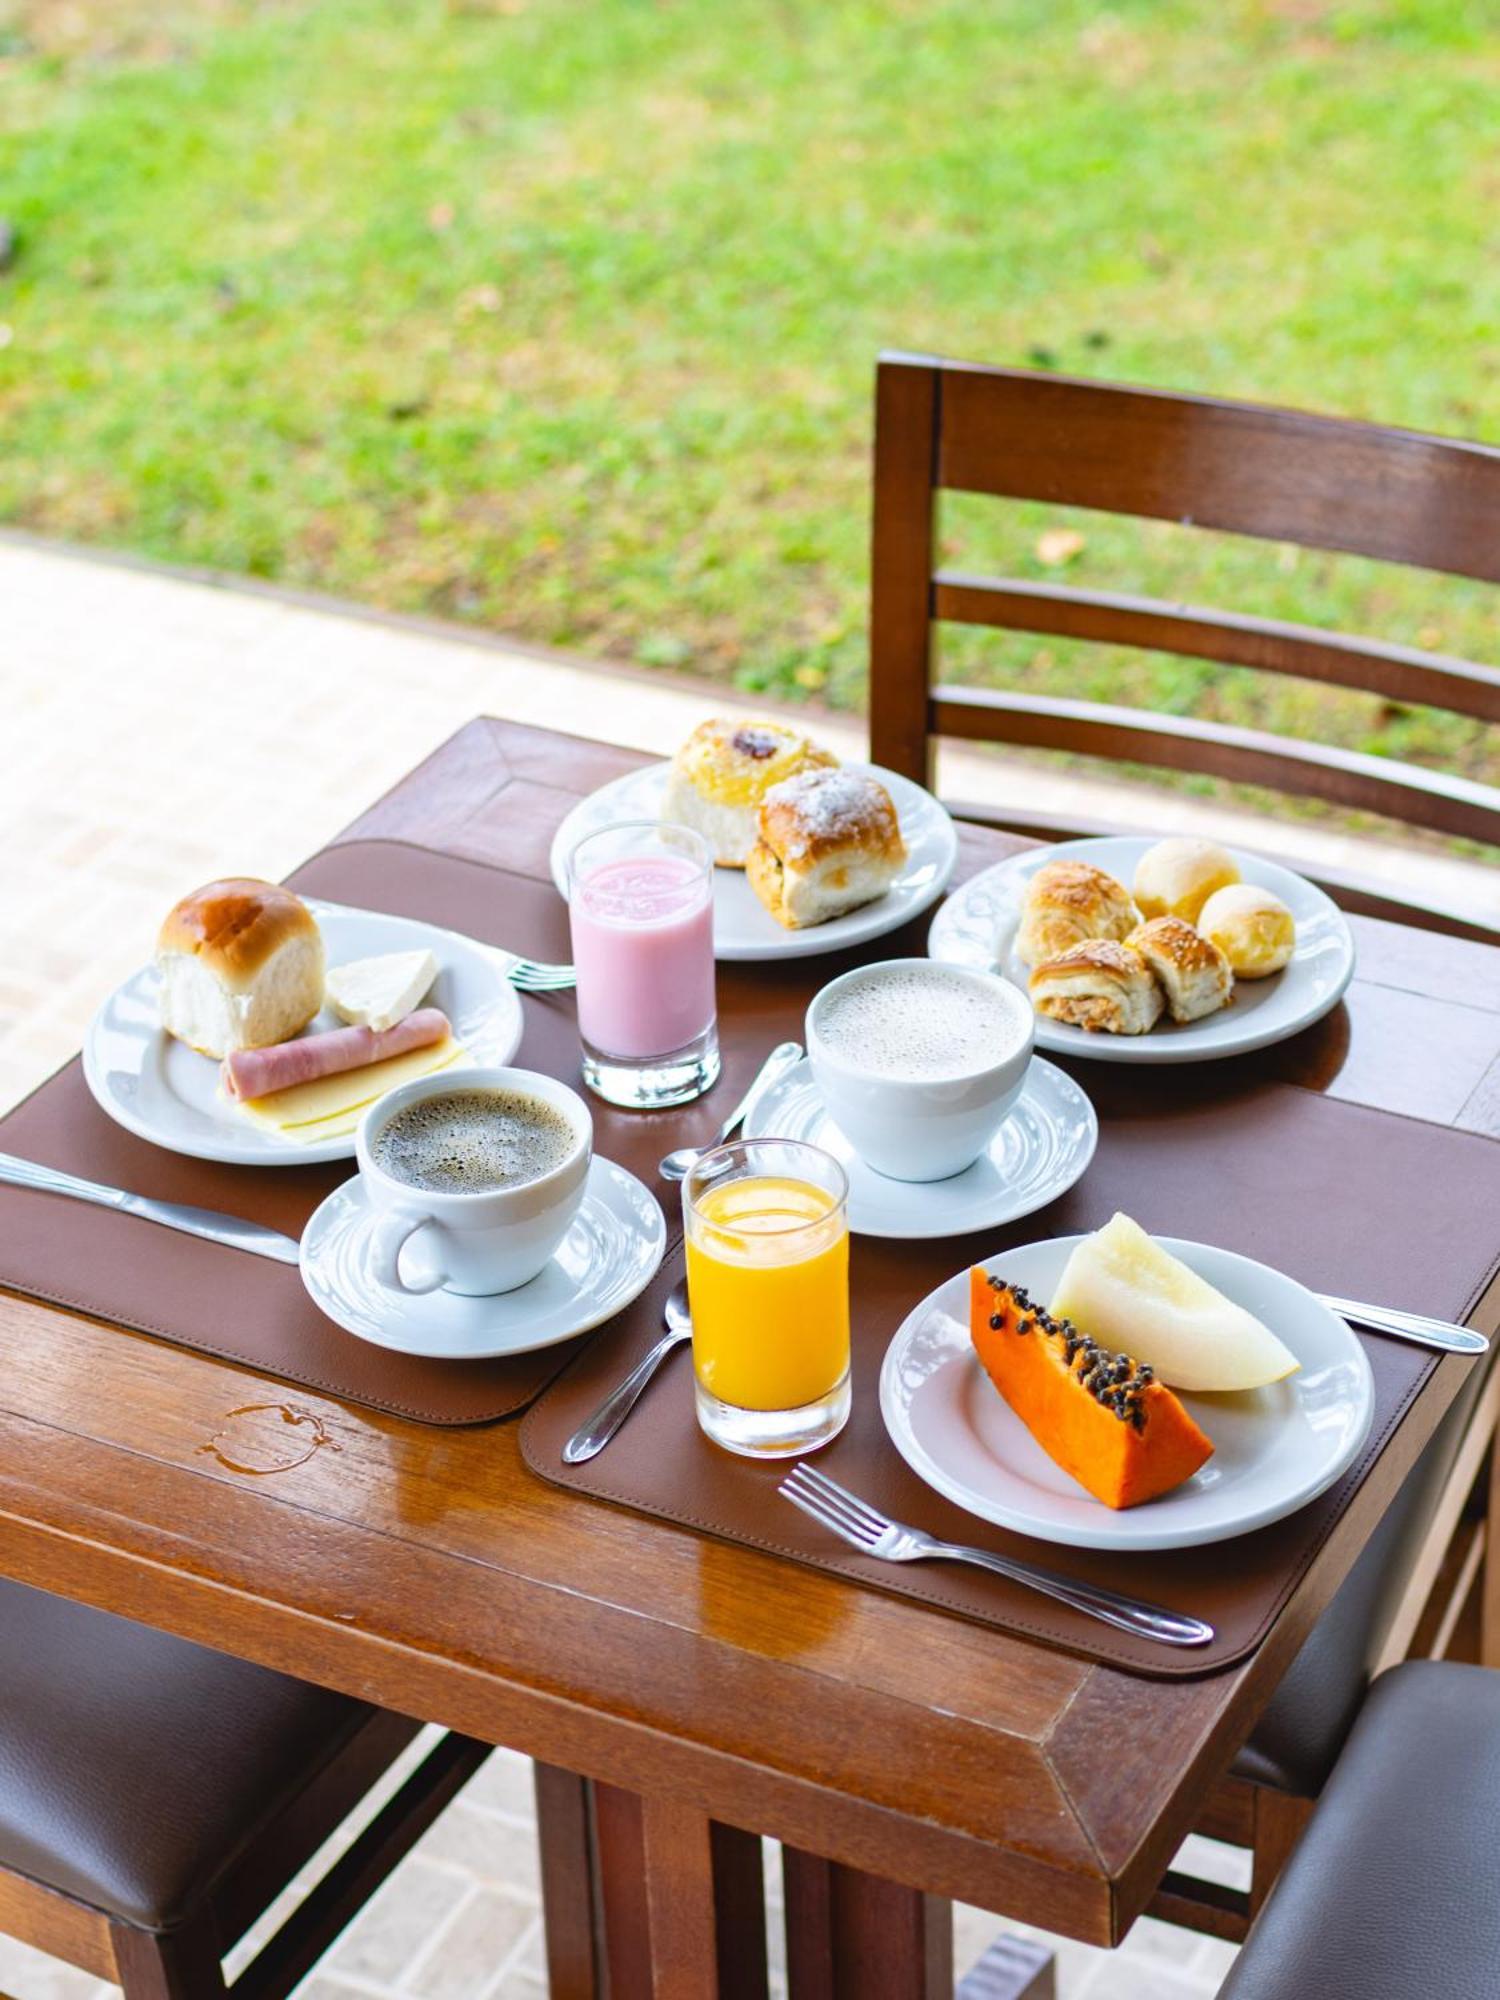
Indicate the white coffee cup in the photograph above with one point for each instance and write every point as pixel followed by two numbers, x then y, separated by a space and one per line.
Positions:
pixel 921 1127
pixel 484 1241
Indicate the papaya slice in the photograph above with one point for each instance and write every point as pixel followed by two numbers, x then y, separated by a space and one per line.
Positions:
pixel 1102 1416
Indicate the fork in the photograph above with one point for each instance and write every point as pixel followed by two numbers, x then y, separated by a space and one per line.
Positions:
pixel 530 975
pixel 835 1507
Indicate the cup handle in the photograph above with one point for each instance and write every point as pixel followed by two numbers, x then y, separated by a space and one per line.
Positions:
pixel 392 1234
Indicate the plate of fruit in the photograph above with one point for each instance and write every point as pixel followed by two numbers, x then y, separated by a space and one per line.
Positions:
pixel 1125 1391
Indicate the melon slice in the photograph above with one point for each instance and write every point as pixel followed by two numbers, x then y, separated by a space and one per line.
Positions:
pixel 1126 1289
pixel 1101 1416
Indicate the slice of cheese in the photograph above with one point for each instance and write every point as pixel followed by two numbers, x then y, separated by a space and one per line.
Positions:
pixel 334 1105
pixel 379 992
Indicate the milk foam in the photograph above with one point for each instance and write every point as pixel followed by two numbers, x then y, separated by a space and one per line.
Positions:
pixel 473 1141
pixel 922 1023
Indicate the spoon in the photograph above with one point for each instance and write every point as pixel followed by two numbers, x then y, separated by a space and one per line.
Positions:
pixel 591 1437
pixel 679 1164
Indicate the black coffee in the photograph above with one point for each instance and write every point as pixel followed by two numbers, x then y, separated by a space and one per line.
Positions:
pixel 473 1141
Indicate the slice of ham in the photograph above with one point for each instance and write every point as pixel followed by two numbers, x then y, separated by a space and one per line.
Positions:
pixel 262 1072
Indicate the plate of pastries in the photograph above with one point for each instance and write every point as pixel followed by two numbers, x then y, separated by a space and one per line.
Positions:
pixel 811 854
pixel 1153 951
pixel 266 1023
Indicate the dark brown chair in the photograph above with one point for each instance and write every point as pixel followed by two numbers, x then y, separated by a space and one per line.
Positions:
pixel 156 1798
pixel 1432 502
pixel 1279 475
pixel 1391 1893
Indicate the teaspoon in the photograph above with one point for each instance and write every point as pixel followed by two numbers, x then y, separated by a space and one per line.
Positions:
pixel 595 1434
pixel 679 1164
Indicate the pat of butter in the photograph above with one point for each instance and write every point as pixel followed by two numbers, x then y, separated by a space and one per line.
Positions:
pixel 334 1105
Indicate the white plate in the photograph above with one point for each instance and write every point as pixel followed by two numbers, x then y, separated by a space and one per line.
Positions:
pixel 977 926
pixel 1274 1449
pixel 1039 1152
pixel 743 927
pixel 164 1091
pixel 607 1258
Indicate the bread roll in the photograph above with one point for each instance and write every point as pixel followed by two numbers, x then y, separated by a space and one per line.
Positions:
pixel 1176 877
pixel 1067 903
pixel 1254 929
pixel 240 964
pixel 1193 973
pixel 1100 985
pixel 722 773
pixel 829 841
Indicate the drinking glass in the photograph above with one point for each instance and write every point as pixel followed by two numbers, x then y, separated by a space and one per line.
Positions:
pixel 768 1289
pixel 641 910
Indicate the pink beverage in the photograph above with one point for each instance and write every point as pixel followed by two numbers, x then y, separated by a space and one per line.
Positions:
pixel 641 909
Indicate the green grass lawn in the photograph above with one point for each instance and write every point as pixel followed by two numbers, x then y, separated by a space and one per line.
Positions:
pixel 560 315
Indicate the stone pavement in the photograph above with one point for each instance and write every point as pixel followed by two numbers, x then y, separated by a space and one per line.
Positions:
pixel 159 731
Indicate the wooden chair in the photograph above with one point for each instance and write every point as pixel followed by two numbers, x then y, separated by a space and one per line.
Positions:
pixel 1279 475
pixel 1324 482
pixel 156 1798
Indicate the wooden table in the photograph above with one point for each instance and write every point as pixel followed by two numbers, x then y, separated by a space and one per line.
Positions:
pixel 705 1691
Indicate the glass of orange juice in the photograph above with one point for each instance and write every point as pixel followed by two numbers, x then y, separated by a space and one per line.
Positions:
pixel 768 1289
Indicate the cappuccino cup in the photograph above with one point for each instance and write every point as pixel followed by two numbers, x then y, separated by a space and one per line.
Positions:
pixel 483 1170
pixel 918 1063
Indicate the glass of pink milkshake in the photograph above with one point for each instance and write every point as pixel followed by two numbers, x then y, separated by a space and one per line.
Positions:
pixel 640 901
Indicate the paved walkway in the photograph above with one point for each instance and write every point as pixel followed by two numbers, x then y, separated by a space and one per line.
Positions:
pixel 159 731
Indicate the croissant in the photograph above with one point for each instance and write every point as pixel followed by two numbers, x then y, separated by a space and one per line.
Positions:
pixel 1194 974
pixel 1067 903
pixel 1100 985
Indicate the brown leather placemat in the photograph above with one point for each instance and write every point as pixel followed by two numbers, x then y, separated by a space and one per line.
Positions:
pixel 1349 1200
pixel 244 1308
pixel 230 1303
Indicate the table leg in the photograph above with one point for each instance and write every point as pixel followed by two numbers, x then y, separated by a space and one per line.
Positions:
pixel 646 1900
pixel 849 1935
pixel 570 1913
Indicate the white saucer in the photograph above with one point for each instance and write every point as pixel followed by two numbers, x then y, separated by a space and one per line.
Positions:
pixel 606 1259
pixel 978 923
pixel 164 1091
pixel 743 927
pixel 1274 1449
pixel 1039 1152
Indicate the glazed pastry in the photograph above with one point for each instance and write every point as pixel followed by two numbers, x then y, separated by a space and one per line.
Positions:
pixel 829 841
pixel 1254 929
pixel 1100 985
pixel 1067 903
pixel 1194 974
pixel 722 773
pixel 1176 877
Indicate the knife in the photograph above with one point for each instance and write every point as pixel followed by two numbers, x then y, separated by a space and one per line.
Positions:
pixel 1410 1326
pixel 207 1222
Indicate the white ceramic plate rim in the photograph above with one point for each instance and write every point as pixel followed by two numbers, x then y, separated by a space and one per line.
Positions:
pixel 250 1146
pixel 1322 929
pixel 1045 1087
pixel 1155 1524
pixel 743 930
pixel 609 1185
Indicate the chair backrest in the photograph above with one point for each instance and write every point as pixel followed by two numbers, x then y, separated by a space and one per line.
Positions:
pixel 1328 483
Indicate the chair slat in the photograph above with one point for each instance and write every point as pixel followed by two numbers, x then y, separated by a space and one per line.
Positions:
pixel 1282 475
pixel 1346 778
pixel 1400 673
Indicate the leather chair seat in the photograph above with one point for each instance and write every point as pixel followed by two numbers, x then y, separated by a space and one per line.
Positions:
pixel 1390 1892
pixel 1303 1727
pixel 134 1767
